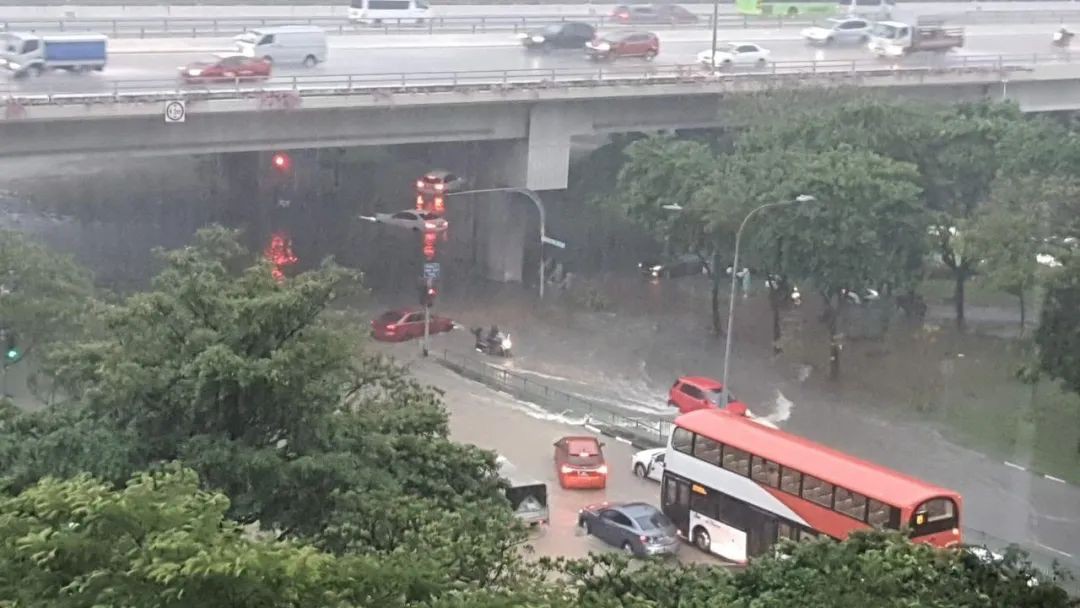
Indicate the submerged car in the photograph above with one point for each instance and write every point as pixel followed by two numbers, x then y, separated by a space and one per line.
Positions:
pixel 417 221
pixel 403 324
pixel 682 266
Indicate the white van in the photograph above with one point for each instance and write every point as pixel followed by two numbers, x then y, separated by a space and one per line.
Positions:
pixel 391 11
pixel 304 44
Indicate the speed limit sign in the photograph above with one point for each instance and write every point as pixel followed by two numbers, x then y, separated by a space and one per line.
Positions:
pixel 175 111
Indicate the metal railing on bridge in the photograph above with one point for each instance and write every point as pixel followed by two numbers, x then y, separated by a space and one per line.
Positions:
pixel 280 92
pixel 142 27
pixel 195 27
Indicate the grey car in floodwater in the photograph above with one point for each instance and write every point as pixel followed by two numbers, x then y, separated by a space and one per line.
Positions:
pixel 637 528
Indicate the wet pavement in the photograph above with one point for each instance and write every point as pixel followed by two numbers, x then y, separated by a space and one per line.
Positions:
pixel 629 358
pixel 524 434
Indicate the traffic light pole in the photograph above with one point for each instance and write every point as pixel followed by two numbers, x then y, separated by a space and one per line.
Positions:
pixel 427 317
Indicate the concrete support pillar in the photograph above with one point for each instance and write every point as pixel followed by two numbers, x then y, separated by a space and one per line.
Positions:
pixel 501 224
pixel 551 127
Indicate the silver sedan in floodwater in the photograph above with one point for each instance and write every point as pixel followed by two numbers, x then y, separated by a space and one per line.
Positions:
pixel 638 528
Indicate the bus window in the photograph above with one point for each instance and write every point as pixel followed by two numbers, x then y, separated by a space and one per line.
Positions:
pixel 708 450
pixel 765 472
pixel 935 515
pixel 786 530
pixel 850 503
pixel 881 515
pixel 737 460
pixel 682 440
pixel 790 480
pixel 817 491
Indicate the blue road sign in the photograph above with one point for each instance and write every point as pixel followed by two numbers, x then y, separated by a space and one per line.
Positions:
pixel 431 270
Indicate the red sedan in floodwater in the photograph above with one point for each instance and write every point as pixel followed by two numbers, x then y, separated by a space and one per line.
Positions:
pixel 579 463
pixel 405 324
pixel 226 68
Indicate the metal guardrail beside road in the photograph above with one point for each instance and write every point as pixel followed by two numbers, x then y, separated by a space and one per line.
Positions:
pixel 138 27
pixel 641 430
pixel 284 89
pixel 142 27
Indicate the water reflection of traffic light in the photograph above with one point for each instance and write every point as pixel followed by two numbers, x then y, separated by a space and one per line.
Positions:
pixel 430 238
pixel 280 254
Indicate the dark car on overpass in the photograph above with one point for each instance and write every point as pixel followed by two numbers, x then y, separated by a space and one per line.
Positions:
pixel 563 35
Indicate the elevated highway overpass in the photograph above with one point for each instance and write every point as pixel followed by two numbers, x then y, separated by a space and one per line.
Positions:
pixel 532 114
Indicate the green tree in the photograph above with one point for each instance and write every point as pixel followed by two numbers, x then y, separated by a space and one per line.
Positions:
pixel 1011 230
pixel 162 542
pixel 862 232
pixel 888 570
pixel 655 188
pixel 63 441
pixel 44 297
pixel 1058 335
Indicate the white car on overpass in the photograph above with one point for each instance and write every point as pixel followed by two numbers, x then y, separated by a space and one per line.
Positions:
pixel 730 54
pixel 849 30
pixel 649 464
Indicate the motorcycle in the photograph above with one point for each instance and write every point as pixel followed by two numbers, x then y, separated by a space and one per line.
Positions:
pixel 1062 38
pixel 499 346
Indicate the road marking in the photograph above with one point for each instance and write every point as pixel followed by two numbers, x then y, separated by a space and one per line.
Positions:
pixel 592 428
pixel 1052 478
pixel 626 441
pixel 1058 551
pixel 1015 466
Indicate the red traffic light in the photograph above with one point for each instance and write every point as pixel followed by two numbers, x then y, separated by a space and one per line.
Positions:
pixel 281 161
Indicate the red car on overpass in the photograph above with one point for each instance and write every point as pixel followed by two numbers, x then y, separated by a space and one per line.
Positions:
pixel 405 324
pixel 226 68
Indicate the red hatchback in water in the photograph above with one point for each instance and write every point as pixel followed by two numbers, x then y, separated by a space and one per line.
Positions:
pixel 405 324
pixel 691 393
pixel 579 463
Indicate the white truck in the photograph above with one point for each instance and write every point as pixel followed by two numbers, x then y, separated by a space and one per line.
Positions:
pixel 896 39
pixel 31 54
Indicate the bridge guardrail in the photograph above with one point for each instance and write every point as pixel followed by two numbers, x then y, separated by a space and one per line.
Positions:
pixel 143 27
pixel 286 92
pixel 138 27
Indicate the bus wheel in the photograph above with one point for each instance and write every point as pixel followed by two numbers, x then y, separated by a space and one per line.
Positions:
pixel 702 540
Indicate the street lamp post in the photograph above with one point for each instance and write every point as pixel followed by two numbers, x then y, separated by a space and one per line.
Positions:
pixel 535 198
pixel 802 198
pixel 715 16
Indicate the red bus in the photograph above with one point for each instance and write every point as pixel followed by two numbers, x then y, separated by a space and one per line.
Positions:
pixel 734 486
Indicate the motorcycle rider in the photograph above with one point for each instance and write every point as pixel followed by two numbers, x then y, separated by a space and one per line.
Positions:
pixel 494 338
pixel 1062 37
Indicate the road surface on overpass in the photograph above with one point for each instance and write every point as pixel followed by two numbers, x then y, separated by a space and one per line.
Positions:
pixel 211 10
pixel 158 60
